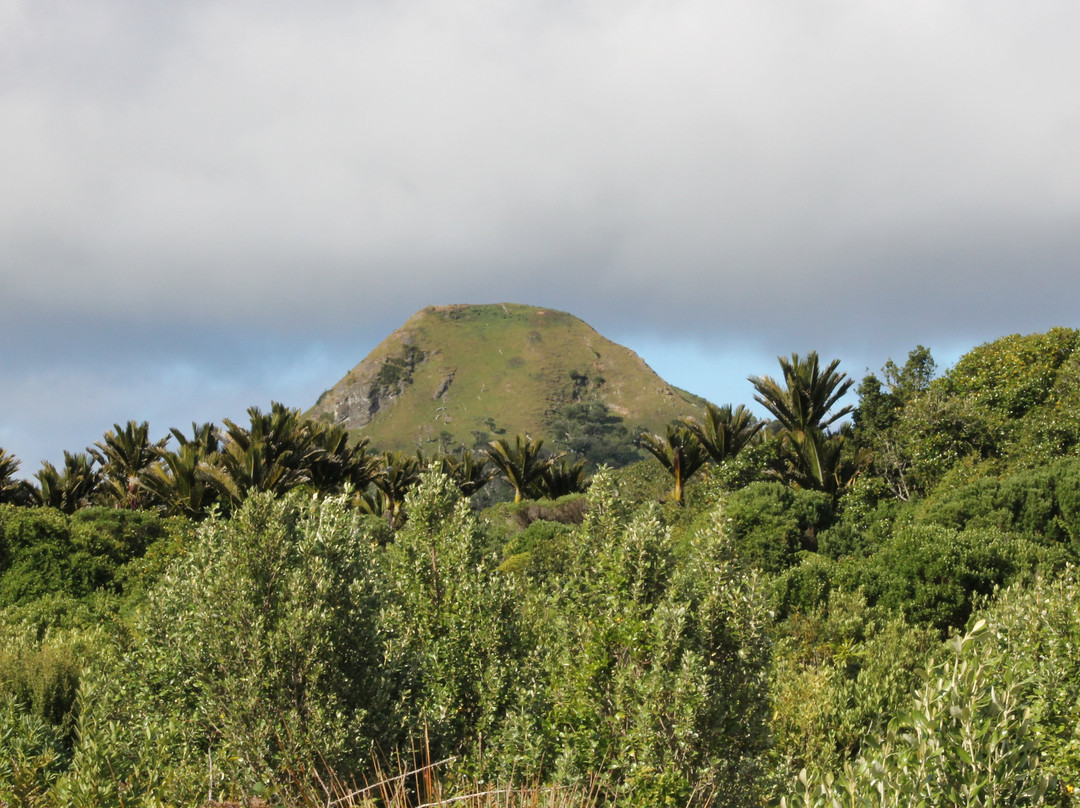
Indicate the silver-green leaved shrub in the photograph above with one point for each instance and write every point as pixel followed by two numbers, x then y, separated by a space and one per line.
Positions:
pixel 254 662
pixel 1036 637
pixel 966 739
pixel 450 627
pixel 631 664
pixel 646 673
pixel 291 653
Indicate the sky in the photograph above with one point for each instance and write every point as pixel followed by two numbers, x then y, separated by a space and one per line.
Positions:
pixel 207 206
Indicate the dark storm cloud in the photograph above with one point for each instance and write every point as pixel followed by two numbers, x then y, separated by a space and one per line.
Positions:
pixel 211 183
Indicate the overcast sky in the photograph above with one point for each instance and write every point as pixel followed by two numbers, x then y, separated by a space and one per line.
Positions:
pixel 211 205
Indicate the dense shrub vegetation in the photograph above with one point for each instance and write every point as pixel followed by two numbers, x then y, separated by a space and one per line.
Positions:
pixel 802 611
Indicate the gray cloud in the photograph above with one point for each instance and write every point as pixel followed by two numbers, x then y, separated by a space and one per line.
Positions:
pixel 181 177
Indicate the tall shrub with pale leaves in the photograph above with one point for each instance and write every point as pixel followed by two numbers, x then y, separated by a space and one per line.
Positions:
pixel 254 662
pixel 648 674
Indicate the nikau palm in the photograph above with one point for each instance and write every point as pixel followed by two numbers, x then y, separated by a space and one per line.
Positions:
pixel 564 477
pixel 244 467
pixel 469 472
pixel 71 489
pixel 803 407
pixel 177 485
pixel 12 490
pixel 522 465
pixel 126 456
pixel 272 455
pixel 398 474
pixel 724 431
pixel 836 463
pixel 204 437
pixel 803 403
pixel 332 462
pixel 680 452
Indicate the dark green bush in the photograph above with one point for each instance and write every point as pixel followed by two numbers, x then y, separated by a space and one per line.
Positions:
pixel 803 587
pixel 867 519
pixel 505 520
pixel 751 465
pixel 934 575
pixel 1041 503
pixel 39 556
pixel 542 549
pixel 644 481
pixel 44 551
pixel 771 522
pixel 956 508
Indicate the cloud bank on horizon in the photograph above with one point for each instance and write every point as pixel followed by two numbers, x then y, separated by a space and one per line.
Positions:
pixel 208 203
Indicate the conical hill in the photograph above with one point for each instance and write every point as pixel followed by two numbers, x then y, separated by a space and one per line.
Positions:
pixel 462 375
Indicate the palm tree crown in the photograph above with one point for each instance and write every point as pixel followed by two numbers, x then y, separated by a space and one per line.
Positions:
pixel 802 405
pixel 815 458
pixel 680 452
pixel 71 489
pixel 725 431
pixel 521 465
pixel 126 456
pixel 12 490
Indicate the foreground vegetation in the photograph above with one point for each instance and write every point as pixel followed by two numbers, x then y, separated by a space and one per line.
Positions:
pixel 804 611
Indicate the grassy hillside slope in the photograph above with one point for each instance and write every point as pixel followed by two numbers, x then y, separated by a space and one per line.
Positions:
pixel 460 375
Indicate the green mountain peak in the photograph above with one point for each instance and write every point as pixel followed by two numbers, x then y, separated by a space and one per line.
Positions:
pixel 462 375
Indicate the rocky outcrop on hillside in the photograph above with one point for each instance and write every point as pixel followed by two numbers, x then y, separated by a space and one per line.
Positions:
pixel 371 387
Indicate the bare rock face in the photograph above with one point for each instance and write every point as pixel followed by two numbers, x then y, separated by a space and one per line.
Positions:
pixel 373 386
pixel 444 385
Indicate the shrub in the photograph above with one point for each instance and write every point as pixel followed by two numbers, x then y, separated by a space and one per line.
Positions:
pixel 41 678
pixel 1012 374
pixel 966 739
pixel 1035 632
pixel 644 481
pixel 542 549
pixel 257 651
pixel 502 522
pixel 933 575
pixel 771 522
pixel 803 587
pixel 837 670
pixel 647 676
pixel 449 622
pixel 1041 503
pixel 44 551
pixel 867 519
pixel 288 649
pixel 36 555
pixel 44 647
pixel 31 754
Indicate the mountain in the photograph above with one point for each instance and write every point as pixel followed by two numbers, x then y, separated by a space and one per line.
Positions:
pixel 463 375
